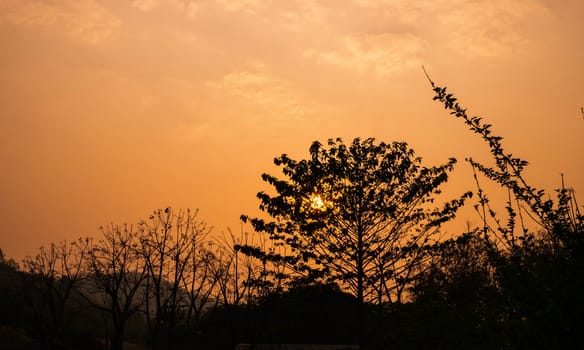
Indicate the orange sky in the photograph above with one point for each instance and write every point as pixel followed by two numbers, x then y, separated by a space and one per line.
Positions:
pixel 111 109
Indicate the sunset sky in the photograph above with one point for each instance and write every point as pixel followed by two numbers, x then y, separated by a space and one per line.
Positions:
pixel 112 109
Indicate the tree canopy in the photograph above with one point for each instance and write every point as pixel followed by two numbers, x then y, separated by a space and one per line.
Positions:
pixel 357 214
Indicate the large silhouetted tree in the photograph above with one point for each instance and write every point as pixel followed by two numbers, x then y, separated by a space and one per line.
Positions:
pixel 357 214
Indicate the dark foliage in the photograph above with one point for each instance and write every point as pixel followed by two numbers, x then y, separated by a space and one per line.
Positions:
pixel 305 314
pixel 357 214
pixel 523 286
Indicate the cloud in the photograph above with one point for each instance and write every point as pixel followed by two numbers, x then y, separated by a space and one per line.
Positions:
pixel 248 6
pixel 190 8
pixel 83 20
pixel 302 16
pixel 380 54
pixel 473 28
pixel 144 5
pixel 263 91
pixel 492 28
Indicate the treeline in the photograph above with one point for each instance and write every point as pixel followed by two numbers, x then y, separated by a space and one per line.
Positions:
pixel 151 284
pixel 348 252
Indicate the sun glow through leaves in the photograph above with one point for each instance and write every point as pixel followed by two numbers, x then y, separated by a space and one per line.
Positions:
pixel 317 203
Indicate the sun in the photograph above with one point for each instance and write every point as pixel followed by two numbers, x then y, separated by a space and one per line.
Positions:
pixel 316 202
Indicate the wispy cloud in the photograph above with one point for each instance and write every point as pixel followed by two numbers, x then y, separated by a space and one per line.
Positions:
pixel 302 15
pixel 263 90
pixel 189 8
pixel 380 54
pixel 492 28
pixel 84 20
pixel 144 5
pixel 473 28
pixel 248 6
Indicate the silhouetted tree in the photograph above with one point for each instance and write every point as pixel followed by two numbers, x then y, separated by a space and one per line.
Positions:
pixel 7 263
pixel 560 220
pixel 171 249
pixel 357 214
pixel 199 282
pixel 116 277
pixel 537 266
pixel 50 279
pixel 11 288
pixel 456 299
pixel 242 279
